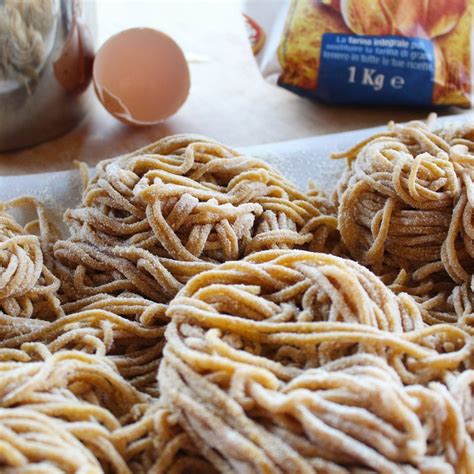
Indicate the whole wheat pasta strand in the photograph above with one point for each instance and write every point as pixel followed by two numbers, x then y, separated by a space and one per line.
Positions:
pixel 82 391
pixel 267 303
pixel 405 209
pixel 133 347
pixel 282 360
pixel 23 32
pixel 118 427
pixel 332 421
pixel 461 386
pixel 31 442
pixel 27 287
pixel 115 423
pixel 156 444
pixel 152 219
pixel 272 365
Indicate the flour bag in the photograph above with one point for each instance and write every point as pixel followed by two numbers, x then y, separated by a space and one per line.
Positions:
pixel 400 52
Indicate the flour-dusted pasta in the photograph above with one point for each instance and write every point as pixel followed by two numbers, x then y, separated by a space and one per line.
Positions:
pixel 202 316
pixel 292 361
pixel 151 220
pixel 405 209
pixel 27 286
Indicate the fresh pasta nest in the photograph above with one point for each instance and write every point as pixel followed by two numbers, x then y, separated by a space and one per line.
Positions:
pixel 291 361
pixel 152 219
pixel 200 317
pixel 27 287
pixel 405 210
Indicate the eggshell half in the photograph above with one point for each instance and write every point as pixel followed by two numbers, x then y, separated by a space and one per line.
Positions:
pixel 141 76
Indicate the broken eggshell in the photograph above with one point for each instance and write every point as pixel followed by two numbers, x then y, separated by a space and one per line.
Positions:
pixel 141 76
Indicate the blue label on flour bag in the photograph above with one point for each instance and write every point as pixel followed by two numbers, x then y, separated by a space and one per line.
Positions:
pixel 376 70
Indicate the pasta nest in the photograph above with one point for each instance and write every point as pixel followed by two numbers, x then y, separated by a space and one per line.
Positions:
pixel 32 442
pixel 405 208
pixel 128 329
pixel 291 361
pixel 65 410
pixel 79 399
pixel 151 220
pixel 27 287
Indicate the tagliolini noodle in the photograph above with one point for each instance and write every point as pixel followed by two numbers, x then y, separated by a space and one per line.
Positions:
pixel 151 220
pixel 24 431
pixel 285 361
pixel 86 378
pixel 291 361
pixel 77 389
pixel 405 209
pixel 27 287
pixel 83 395
pixel 134 347
pixel 72 412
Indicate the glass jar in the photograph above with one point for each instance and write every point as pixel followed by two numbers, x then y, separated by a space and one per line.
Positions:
pixel 46 56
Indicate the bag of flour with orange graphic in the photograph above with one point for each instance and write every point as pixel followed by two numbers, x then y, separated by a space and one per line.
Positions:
pixel 411 52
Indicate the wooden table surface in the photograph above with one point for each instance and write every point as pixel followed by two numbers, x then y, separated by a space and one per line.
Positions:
pixel 229 100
